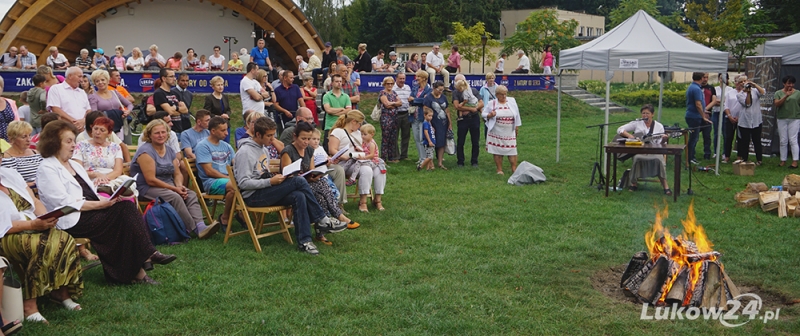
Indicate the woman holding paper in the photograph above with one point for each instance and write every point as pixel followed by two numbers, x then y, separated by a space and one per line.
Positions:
pixel 160 176
pixel 47 256
pixel 102 159
pixel 299 149
pixel 116 229
pixel 346 133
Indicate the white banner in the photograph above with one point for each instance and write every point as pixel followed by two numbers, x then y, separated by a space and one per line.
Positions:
pixel 629 63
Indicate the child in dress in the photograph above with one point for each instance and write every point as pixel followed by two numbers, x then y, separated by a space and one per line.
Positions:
pixel 372 156
pixel 203 66
pixel 322 158
pixel 428 139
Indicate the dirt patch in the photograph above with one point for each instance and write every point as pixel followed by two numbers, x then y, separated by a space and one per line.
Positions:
pixel 607 281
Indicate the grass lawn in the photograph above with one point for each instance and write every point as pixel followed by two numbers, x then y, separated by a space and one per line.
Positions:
pixel 458 252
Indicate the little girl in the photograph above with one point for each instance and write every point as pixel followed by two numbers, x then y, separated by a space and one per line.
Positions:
pixel 321 158
pixel 372 156
pixel 235 64
pixel 203 66
pixel 428 139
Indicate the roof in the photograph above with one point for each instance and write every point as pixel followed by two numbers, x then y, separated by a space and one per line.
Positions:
pixel 788 47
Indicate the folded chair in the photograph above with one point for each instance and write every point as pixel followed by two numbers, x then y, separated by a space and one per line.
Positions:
pixel 202 197
pixel 255 223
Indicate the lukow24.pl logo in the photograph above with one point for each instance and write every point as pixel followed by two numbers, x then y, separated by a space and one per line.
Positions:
pixel 741 310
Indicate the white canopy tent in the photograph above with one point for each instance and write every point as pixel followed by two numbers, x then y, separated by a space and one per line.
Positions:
pixel 787 47
pixel 640 43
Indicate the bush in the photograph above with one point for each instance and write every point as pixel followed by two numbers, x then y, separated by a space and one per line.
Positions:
pixel 641 97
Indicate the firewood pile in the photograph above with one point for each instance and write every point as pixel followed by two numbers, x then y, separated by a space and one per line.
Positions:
pixel 786 202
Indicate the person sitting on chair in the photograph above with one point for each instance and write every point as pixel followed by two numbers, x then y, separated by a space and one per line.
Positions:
pixel 646 165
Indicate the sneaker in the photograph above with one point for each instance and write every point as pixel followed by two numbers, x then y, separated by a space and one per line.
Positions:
pixel 694 162
pixel 308 247
pixel 327 226
pixel 475 165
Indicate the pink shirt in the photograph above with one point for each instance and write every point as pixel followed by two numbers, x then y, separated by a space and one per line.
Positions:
pixel 454 60
pixel 72 100
pixel 548 59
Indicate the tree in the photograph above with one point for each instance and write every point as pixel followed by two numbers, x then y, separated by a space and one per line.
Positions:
pixel 782 14
pixel 542 28
pixel 469 44
pixel 628 8
pixel 326 17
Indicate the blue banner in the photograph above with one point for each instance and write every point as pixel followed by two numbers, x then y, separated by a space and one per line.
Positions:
pixel 199 82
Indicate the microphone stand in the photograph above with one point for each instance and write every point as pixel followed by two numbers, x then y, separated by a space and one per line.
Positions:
pixel 597 170
pixel 690 191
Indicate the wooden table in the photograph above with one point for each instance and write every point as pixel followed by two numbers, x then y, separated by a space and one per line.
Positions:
pixel 662 149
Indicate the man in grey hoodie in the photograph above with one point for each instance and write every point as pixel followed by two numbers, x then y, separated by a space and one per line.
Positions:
pixel 258 189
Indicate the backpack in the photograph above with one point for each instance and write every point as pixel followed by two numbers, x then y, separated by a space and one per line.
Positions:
pixel 141 115
pixel 164 224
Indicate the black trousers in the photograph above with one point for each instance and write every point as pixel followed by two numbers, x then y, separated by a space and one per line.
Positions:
pixel 522 71
pixel 728 135
pixel 750 135
pixel 404 130
pixel 470 123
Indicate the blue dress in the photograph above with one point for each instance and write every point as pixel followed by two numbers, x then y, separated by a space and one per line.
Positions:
pixel 440 122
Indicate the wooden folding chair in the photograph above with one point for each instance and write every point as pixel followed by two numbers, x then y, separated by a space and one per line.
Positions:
pixel 202 197
pixel 284 215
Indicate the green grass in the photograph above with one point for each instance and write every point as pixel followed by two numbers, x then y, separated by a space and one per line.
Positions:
pixel 457 252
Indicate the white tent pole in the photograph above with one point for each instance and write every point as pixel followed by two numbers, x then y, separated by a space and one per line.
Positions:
pixel 722 82
pixel 558 120
pixel 605 127
pixel 660 97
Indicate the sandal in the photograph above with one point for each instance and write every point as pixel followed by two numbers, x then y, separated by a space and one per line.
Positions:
pixel 668 192
pixel 443 167
pixel 11 327
pixel 362 206
pixel 36 317
pixel 68 303
pixel 146 280
pixel 378 206
pixel 88 255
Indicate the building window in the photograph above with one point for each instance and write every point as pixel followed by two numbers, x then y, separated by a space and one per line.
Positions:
pixel 403 57
pixel 581 33
pixel 589 31
pixel 599 31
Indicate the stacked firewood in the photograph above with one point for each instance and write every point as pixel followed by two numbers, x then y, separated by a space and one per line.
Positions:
pixel 785 201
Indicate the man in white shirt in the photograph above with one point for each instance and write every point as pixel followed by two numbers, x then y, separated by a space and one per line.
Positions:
pixel 313 61
pixel 377 62
pixel 250 90
pixel 68 100
pixel 301 65
pixel 9 59
pixel 524 63
pixel 57 61
pixel 435 62
pixel 731 117
pixel 403 91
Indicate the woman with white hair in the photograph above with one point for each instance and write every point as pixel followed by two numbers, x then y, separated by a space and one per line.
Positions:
pixel 154 61
pixel 84 61
pixel 108 100
pixel 244 56
pixel 503 121
pixel 136 61
pixel 57 60
pixel 362 62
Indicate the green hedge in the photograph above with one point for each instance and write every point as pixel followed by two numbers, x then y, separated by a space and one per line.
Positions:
pixel 638 94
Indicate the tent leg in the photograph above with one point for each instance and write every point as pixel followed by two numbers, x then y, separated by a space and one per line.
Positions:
pixel 722 82
pixel 660 97
pixel 605 127
pixel 558 120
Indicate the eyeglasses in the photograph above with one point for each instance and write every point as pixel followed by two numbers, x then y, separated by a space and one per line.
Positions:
pixel 388 83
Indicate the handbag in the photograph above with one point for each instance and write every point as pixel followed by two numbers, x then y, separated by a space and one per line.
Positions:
pixel 12 295
pixel 376 113
pixel 450 149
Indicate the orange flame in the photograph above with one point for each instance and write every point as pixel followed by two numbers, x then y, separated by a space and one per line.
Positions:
pixel 661 243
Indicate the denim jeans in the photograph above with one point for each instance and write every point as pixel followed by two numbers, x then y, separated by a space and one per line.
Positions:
pixel 472 124
pixel 416 130
pixel 706 132
pixel 694 136
pixel 715 121
pixel 294 191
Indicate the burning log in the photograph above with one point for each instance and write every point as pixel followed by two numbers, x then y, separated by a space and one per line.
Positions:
pixel 714 288
pixel 634 266
pixel 679 287
pixel 713 255
pixel 653 285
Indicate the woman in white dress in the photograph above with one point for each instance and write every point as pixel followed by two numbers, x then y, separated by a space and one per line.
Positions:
pixel 503 122
pixel 646 165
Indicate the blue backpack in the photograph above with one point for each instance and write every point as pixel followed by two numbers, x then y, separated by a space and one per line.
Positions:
pixel 164 224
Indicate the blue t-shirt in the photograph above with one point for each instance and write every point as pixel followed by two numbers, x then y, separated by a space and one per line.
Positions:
pixel 240 134
pixel 426 127
pixel 354 77
pixel 287 98
pixel 190 138
pixel 219 156
pixel 693 94
pixel 259 57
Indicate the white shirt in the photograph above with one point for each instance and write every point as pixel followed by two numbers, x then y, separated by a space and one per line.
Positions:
pixel 11 179
pixel 344 141
pixel 731 103
pixel 749 117
pixel 245 58
pixel 57 187
pixel 72 100
pixel 58 59
pixel 158 57
pixel 136 64
pixel 639 129
pixel 525 62
pixel 247 102
pixel 435 60
pixel 402 94
pixel 501 63
pixel 377 63
pixel 217 62
pixel 302 66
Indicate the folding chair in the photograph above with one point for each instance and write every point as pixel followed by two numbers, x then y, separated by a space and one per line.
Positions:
pixel 284 215
pixel 202 197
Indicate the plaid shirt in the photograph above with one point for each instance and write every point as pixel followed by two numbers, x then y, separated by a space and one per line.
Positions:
pixel 350 90
pixel 27 60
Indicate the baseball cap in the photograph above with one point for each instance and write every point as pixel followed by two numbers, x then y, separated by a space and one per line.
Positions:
pixel 99 51
pixel 392 53
pixel 327 44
